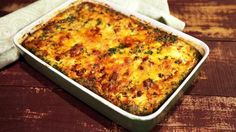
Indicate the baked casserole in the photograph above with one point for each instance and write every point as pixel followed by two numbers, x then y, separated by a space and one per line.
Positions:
pixel 128 62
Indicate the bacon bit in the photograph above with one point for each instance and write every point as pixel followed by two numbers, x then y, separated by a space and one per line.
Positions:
pixel 145 58
pixel 130 25
pixel 48 29
pixel 139 93
pixel 126 73
pixel 80 72
pixel 141 67
pixel 58 58
pixel 102 70
pixel 104 75
pixel 127 60
pixel 113 76
pixel 116 29
pixel 76 50
pixel 170 76
pixel 96 52
pixel 93 32
pixel 129 41
pixel 141 27
pixel 63 38
pixel 148 83
pixel 151 63
pixel 167 64
pixel 179 61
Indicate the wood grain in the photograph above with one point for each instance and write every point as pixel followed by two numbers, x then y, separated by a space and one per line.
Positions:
pixel 207 19
pixel 218 74
pixel 31 102
pixel 201 113
pixel 29 111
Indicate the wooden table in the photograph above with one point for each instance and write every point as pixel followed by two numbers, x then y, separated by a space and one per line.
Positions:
pixel 31 102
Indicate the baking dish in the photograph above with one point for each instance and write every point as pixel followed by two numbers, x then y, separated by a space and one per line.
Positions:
pixel 130 121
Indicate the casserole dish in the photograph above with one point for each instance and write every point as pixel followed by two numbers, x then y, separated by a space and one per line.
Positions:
pixel 128 120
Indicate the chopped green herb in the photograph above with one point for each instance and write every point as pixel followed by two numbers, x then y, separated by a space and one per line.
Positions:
pixel 166 38
pixel 99 21
pixel 121 46
pixel 112 51
pixel 149 52
pixel 70 18
pixel 178 61
pixel 43 36
pixel 159 50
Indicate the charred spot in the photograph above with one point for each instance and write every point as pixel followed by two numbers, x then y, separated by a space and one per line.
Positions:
pixel 155 93
pixel 139 93
pixel 80 72
pixel 145 58
pixel 160 75
pixel 58 57
pixel 136 58
pixel 148 83
pixel 141 67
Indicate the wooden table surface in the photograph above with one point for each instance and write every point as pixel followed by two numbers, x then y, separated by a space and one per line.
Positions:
pixel 31 102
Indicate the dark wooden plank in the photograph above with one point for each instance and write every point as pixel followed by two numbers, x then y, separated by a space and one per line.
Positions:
pixel 22 74
pixel 207 19
pixel 201 113
pixel 218 74
pixel 217 77
pixel 43 109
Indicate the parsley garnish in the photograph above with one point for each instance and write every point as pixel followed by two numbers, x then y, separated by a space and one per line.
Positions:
pixel 149 52
pixel 112 51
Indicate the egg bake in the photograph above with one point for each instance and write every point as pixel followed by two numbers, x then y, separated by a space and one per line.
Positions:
pixel 124 60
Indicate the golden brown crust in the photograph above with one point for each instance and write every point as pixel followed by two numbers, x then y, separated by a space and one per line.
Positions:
pixel 132 65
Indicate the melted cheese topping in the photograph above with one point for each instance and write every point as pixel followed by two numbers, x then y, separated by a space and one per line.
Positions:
pixel 131 64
